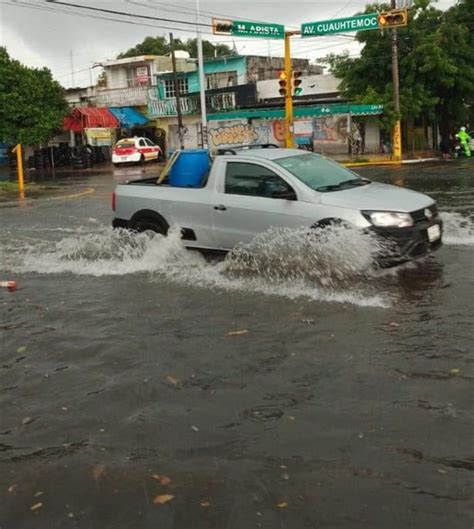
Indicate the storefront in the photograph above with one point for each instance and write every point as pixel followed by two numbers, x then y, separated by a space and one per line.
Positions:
pixel 83 123
pixel 328 129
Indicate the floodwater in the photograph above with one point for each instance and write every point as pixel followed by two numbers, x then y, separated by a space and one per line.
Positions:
pixel 143 385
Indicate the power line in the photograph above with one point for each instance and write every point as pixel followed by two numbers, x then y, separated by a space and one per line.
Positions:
pixel 125 14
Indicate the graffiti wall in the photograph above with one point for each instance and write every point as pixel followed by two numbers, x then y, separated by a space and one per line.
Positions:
pixel 330 134
pixel 327 134
pixel 234 133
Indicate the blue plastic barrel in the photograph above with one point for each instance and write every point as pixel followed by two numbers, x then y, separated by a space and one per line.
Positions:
pixel 190 168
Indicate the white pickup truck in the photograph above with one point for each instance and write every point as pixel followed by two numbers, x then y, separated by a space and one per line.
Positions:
pixel 248 191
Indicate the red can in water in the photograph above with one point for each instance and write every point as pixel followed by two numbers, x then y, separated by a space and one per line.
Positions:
pixel 10 285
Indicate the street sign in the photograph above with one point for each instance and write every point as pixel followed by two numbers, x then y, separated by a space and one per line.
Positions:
pixel 340 25
pixel 241 28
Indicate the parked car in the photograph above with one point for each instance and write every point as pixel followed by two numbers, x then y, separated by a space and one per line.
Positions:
pixel 246 192
pixel 135 150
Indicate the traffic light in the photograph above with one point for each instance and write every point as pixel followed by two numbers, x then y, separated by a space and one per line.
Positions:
pixel 396 18
pixel 296 81
pixel 283 82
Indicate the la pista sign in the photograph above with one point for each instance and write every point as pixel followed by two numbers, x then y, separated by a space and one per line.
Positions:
pixel 340 25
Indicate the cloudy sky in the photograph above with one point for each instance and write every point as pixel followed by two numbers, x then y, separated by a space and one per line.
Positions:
pixel 69 40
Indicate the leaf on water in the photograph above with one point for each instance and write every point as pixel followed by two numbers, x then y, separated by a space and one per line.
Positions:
pixel 205 504
pixel 172 380
pixel 282 505
pixel 237 333
pixel 36 506
pixel 38 494
pixel 164 480
pixel 12 488
pixel 163 498
pixel 291 418
pixel 455 371
pixel 21 349
pixel 441 471
pixel 98 471
pixel 394 324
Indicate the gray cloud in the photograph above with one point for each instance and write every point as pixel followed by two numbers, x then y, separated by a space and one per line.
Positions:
pixel 40 37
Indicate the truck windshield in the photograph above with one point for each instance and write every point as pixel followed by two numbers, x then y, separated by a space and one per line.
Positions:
pixel 319 173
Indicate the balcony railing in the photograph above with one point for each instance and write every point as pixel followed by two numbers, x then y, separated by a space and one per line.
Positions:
pixel 191 104
pixel 122 97
pixel 168 107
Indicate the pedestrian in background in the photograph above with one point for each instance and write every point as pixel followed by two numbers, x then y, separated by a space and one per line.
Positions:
pixel 464 140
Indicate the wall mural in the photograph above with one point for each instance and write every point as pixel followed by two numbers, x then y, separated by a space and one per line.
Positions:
pixel 331 129
pixel 325 133
pixel 237 134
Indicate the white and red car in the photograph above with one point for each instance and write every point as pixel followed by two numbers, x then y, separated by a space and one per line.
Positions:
pixel 135 150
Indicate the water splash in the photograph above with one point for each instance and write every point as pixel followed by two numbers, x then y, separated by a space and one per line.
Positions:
pixel 458 229
pixel 334 265
pixel 330 256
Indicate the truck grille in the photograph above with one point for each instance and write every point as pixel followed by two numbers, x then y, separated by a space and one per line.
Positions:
pixel 420 216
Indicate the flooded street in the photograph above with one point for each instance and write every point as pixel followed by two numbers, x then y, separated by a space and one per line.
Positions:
pixel 143 385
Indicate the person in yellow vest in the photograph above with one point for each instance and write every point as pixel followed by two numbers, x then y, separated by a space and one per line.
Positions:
pixel 464 140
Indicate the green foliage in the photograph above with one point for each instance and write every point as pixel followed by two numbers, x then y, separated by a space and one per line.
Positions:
pixel 32 104
pixel 160 46
pixel 436 65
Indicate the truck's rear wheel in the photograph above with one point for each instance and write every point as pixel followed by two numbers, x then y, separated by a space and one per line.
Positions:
pixel 150 222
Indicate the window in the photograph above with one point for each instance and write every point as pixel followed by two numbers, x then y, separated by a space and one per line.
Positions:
pixel 317 172
pixel 221 80
pixel 142 143
pixel 126 144
pixel 182 87
pixel 253 180
pixel 149 143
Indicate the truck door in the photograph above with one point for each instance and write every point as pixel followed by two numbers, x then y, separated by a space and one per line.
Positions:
pixel 252 200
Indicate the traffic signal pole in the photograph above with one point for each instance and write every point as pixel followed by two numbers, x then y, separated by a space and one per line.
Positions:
pixel 397 130
pixel 289 142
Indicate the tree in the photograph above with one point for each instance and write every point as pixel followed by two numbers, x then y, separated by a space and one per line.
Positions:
pixel 435 65
pixel 32 104
pixel 160 46
pixel 150 46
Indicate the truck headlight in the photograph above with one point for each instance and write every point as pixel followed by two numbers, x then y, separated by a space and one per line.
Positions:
pixel 389 219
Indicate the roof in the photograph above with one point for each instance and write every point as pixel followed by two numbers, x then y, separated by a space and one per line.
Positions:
pixel 82 118
pixel 129 117
pixel 313 111
pixel 128 60
pixel 267 154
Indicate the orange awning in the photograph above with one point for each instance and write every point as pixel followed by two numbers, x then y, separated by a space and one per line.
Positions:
pixel 82 118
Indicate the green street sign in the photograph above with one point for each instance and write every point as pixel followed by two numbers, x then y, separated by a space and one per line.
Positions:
pixel 241 28
pixel 257 29
pixel 340 25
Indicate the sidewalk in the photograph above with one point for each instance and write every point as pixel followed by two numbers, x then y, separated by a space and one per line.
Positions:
pixel 383 159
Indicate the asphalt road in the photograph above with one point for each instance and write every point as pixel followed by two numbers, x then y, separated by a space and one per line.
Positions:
pixel 143 386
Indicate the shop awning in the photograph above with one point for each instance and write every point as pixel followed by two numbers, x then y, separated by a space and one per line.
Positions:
pixel 129 117
pixel 82 118
pixel 314 111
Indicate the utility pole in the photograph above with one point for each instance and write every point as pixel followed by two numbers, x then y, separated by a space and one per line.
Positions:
pixel 72 68
pixel 176 90
pixel 396 131
pixel 289 144
pixel 202 80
